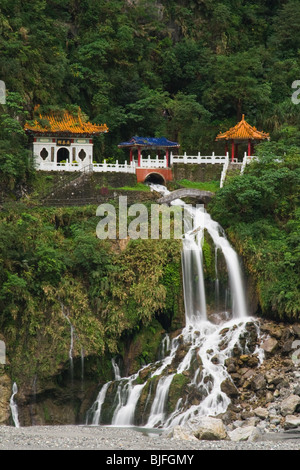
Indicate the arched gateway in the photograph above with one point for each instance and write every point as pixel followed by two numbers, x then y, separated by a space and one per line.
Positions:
pixel 151 169
pixel 155 178
pixel 62 138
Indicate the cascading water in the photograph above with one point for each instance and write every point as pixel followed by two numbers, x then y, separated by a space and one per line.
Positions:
pixel 192 363
pixel 14 407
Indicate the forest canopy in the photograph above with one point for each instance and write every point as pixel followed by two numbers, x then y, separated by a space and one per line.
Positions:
pixel 183 69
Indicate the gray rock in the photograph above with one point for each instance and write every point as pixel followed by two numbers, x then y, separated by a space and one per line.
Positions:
pixel 247 433
pixel 258 382
pixel 208 428
pixel 296 329
pixel 273 377
pixel 270 345
pixel 180 432
pixel 291 422
pixel 261 412
pixel 228 387
pixel 289 405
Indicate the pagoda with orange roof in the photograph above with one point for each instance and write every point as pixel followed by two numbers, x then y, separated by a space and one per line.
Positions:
pixel 61 137
pixel 242 133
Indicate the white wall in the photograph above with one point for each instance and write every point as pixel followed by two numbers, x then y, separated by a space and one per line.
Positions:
pixel 52 148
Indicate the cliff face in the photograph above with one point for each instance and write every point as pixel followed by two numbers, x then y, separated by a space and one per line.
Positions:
pixel 62 353
pixel 70 302
pixel 5 394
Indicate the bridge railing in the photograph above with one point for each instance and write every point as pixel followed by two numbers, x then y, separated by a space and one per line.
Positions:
pixel 114 167
pixel 60 166
pixel 97 167
pixel 153 162
pixel 246 160
pixel 213 159
pixel 224 171
pixel 147 162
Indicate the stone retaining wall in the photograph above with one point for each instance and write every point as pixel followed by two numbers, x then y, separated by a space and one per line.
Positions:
pixel 198 172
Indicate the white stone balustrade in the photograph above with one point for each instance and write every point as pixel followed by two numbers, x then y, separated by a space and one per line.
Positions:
pixel 212 159
pixel 147 162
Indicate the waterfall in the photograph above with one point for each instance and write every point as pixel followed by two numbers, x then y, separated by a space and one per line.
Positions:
pixel 194 361
pixel 95 411
pixel 72 330
pixel 116 369
pixel 13 406
pixel 157 412
pixel 217 282
pixel 128 398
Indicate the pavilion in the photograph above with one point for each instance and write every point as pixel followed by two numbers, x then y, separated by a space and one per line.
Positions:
pixel 242 133
pixel 62 137
pixel 149 143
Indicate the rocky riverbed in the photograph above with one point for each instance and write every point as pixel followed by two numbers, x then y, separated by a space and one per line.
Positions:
pixel 264 412
pixel 112 439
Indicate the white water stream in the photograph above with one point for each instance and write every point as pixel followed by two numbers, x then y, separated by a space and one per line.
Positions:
pixel 206 345
pixel 13 406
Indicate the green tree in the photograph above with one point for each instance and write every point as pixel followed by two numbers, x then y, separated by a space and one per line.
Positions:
pixel 15 162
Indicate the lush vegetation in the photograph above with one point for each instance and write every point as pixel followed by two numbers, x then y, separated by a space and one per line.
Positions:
pixel 260 211
pixel 182 69
pixel 55 271
pixel 212 186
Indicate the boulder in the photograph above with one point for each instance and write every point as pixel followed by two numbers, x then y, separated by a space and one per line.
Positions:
pixel 208 428
pixel 273 377
pixel 269 346
pixel 291 422
pixel 287 346
pixel 228 387
pixel 289 405
pixel 246 433
pixel 261 412
pixel 258 382
pixel 296 329
pixel 182 433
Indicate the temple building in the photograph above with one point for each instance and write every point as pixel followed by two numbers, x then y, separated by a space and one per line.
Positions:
pixel 159 144
pixel 61 139
pixel 239 134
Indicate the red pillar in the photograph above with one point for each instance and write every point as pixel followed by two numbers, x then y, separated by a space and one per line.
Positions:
pixel 139 156
pixel 249 147
pixel 232 150
pixel 130 155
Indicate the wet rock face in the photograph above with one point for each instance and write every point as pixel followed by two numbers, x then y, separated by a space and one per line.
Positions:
pixel 5 393
pixel 264 393
pixel 268 392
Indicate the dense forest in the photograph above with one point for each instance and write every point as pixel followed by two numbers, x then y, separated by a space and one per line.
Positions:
pixel 183 69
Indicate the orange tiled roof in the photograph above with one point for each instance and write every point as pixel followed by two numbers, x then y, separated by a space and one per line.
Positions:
pixel 67 124
pixel 243 131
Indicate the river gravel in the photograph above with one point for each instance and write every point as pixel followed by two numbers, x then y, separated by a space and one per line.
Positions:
pixel 111 439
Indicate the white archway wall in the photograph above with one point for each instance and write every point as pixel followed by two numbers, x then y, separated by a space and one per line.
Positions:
pixel 52 148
